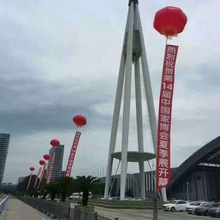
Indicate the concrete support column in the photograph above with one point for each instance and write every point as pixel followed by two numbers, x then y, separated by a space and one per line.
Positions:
pixel 139 117
pixel 127 101
pixel 149 94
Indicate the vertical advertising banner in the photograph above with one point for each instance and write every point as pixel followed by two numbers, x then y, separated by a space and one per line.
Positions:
pixel 164 117
pixel 42 175
pixel 29 182
pixel 51 167
pixel 37 177
pixel 72 154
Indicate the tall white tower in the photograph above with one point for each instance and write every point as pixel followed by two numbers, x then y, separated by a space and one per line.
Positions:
pixel 133 55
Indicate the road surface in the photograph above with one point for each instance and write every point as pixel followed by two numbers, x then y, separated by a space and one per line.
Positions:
pixel 15 209
pixel 146 214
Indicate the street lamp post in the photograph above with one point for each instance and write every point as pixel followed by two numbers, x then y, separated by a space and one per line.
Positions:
pixel 187 190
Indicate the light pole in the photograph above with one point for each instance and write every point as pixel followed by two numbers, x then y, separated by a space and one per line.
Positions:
pixel 187 190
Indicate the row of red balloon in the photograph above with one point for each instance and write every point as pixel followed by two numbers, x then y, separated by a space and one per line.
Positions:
pixel 41 162
pixel 79 121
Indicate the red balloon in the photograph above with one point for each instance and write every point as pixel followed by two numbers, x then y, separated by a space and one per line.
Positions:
pixel 170 21
pixel 41 162
pixel 54 143
pixel 46 156
pixel 32 168
pixel 79 120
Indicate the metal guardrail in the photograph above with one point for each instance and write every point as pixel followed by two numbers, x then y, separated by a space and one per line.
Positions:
pixel 82 215
pixel 52 209
pixel 61 211
pixel 3 203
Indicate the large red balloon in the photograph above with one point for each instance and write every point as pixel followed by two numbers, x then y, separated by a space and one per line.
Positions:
pixel 41 162
pixel 32 168
pixel 46 156
pixel 79 120
pixel 170 21
pixel 54 143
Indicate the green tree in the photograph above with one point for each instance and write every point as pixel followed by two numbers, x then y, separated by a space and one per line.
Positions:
pixel 43 188
pixel 65 184
pixel 53 189
pixel 98 189
pixel 129 193
pixel 85 184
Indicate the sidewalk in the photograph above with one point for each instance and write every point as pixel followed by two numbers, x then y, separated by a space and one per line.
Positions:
pixel 17 210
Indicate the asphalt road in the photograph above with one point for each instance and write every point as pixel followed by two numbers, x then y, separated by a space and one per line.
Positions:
pixel 143 214
pixel 15 209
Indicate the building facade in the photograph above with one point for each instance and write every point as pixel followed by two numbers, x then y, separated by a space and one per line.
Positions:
pixel 58 163
pixel 4 143
pixel 197 178
pixel 202 183
pixel 21 179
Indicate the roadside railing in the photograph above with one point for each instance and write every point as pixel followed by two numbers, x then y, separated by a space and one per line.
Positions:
pixel 83 215
pixel 52 209
pixel 61 211
pixel 3 203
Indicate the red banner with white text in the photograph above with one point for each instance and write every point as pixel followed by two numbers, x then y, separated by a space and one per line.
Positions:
pixel 51 167
pixel 42 175
pixel 72 154
pixel 164 117
pixel 35 184
pixel 29 182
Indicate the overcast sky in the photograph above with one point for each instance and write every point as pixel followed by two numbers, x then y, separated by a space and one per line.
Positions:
pixel 61 58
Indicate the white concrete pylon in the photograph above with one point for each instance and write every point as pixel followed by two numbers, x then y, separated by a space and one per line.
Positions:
pixel 133 51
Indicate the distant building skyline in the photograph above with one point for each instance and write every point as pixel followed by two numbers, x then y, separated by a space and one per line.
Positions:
pixel 21 179
pixel 58 163
pixel 8 187
pixel 4 144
